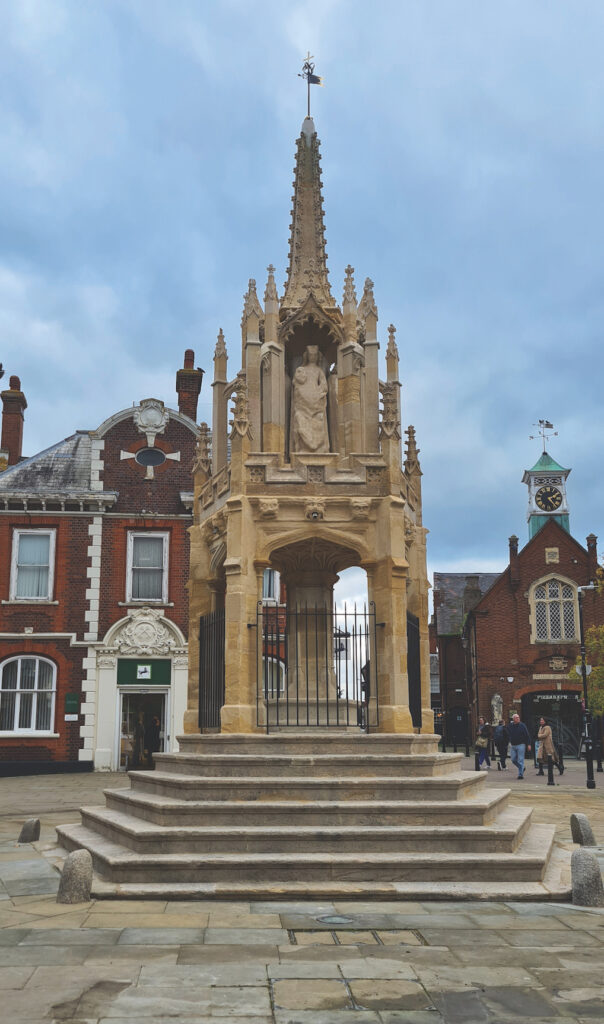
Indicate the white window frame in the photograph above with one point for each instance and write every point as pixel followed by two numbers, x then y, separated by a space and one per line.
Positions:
pixel 165 536
pixel 281 666
pixel 275 585
pixel 564 582
pixel 14 568
pixel 29 730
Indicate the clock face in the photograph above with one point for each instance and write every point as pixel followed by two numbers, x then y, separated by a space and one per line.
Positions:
pixel 548 499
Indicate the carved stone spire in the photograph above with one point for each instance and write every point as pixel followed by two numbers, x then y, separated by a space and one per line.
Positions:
pixel 367 306
pixel 307 268
pixel 203 460
pixel 411 453
pixel 270 294
pixel 350 296
pixel 251 303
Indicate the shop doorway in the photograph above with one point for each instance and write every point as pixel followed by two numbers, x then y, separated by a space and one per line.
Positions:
pixel 563 711
pixel 142 731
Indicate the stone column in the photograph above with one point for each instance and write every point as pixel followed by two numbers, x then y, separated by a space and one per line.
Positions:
pixel 310 637
pixel 387 587
pixel 239 711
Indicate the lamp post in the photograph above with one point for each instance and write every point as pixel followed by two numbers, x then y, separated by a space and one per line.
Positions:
pixel 589 754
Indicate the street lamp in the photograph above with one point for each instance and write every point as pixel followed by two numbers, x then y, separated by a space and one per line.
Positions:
pixel 589 755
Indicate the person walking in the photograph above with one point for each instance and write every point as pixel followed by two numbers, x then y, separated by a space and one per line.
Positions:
pixel 483 739
pixel 520 743
pixel 501 737
pixel 546 746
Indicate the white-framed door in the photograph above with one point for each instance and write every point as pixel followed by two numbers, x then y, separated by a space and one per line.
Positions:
pixel 137 733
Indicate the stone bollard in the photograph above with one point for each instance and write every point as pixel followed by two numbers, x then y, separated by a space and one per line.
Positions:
pixel 586 879
pixel 30 833
pixel 76 878
pixel 581 830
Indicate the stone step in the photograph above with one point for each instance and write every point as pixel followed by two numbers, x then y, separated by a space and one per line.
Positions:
pixel 273 765
pixel 115 863
pixel 145 837
pixel 168 810
pixel 453 786
pixel 310 741
pixel 555 885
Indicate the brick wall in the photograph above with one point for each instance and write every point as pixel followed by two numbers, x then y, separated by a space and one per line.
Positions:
pixel 502 622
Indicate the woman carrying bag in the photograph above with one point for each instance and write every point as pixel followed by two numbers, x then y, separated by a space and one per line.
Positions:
pixel 546 746
pixel 482 743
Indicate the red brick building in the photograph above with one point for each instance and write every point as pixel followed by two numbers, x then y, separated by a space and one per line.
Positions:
pixel 508 643
pixel 93 599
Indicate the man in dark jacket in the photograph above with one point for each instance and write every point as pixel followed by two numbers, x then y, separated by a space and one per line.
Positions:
pixel 502 742
pixel 520 742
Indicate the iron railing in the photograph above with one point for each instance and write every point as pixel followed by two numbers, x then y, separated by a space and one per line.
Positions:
pixel 316 667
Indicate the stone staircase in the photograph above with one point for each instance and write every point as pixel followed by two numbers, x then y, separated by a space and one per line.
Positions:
pixel 316 815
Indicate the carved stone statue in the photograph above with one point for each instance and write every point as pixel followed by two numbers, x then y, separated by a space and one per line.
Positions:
pixel 309 405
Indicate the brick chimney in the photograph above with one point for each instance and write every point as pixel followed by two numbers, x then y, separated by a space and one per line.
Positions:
pixel 514 567
pixel 13 404
pixel 592 556
pixel 188 386
pixel 471 594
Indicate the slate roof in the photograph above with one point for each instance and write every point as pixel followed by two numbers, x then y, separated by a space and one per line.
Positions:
pixel 450 613
pixel 63 469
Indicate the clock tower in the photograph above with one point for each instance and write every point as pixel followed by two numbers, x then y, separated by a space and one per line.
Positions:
pixel 546 483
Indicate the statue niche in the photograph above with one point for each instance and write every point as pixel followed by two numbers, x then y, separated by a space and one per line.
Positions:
pixel 309 391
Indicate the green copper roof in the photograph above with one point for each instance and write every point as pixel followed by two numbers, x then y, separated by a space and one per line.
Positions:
pixel 548 464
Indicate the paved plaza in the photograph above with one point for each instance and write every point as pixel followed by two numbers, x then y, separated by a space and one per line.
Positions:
pixel 288 963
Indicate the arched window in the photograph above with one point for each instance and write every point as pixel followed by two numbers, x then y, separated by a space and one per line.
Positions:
pixel 27 695
pixel 554 608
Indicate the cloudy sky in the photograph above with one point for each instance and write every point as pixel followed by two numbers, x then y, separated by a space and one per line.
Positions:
pixel 145 175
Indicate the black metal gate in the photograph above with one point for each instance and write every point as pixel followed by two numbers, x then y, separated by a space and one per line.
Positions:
pixel 414 670
pixel 316 667
pixel 211 669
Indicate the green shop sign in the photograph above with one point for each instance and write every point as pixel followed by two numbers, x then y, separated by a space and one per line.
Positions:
pixel 144 672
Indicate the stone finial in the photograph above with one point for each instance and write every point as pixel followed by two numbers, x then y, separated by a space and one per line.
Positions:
pixel 270 293
pixel 251 305
pixel 30 832
pixel 220 349
pixel 390 423
pixel 240 424
pixel 586 879
pixel 581 830
pixel 367 306
pixel 350 295
pixel 14 383
pixel 391 350
pixel 411 452
pixel 203 460
pixel 76 878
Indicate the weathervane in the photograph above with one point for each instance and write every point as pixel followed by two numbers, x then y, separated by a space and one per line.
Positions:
pixel 543 426
pixel 308 72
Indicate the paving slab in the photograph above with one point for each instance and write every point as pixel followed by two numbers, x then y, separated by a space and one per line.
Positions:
pixel 69 937
pixel 160 936
pixel 235 953
pixel 323 994
pixel 303 969
pixel 370 968
pixel 210 974
pixel 312 938
pixel 15 977
pixel 356 938
pixel 223 936
pixel 389 995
